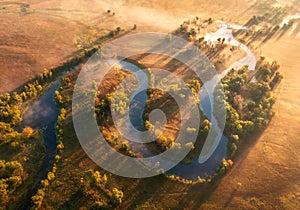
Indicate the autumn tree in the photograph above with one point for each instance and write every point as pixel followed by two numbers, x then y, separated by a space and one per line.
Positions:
pixel 4 194
pixel 27 132
pixel 117 196
pixel 10 179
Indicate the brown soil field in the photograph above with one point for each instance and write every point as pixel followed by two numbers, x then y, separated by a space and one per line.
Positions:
pixel 47 33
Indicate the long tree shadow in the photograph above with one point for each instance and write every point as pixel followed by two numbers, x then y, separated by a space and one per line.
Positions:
pixel 230 198
pixel 146 188
pixel 296 30
pixel 247 143
pixel 284 30
pixel 70 204
pixel 269 36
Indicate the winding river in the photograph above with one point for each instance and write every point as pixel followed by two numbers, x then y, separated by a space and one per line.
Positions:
pixel 43 113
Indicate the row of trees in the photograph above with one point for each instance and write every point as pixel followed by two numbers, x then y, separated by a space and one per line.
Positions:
pixel 94 185
pixel 225 165
pixel 38 198
pixel 11 172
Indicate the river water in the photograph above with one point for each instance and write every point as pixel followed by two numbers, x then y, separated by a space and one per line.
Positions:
pixel 42 114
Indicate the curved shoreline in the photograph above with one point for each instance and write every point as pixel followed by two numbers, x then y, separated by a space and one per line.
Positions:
pixel 190 171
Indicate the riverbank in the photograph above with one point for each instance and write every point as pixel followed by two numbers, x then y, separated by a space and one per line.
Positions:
pixel 265 176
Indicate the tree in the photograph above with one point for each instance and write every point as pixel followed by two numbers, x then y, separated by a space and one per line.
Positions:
pixel 50 176
pixel 9 113
pixel 238 103
pixel 125 146
pixel 104 179
pixel 204 127
pixel 191 130
pixel 17 98
pixel 4 198
pixel 190 145
pixel 13 182
pixel 38 198
pixel 210 21
pixel 45 183
pixel 98 205
pixel 257 90
pixel 117 196
pixel 5 128
pixel 58 98
pixel 97 177
pixel 12 168
pixel 119 102
pixel 148 125
pixel 232 120
pixel 233 148
pixel 277 78
pixel 10 179
pixel 27 132
pixel 24 96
